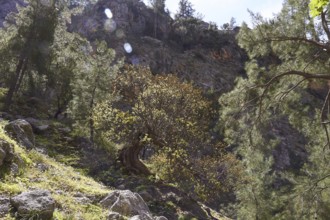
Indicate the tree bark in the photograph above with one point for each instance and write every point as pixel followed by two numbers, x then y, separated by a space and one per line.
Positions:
pixel 129 157
pixel 91 121
pixel 15 83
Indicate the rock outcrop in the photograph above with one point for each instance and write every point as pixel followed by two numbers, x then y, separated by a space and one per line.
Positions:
pixel 22 132
pixel 128 204
pixel 211 58
pixel 6 152
pixel 7 6
pixel 35 203
pixel 125 202
pixel 38 126
pixel 4 206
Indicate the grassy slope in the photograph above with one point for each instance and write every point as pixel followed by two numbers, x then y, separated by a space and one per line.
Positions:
pixel 62 181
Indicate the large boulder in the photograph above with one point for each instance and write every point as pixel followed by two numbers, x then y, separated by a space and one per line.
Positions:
pixel 4 206
pixel 125 203
pixel 22 132
pixel 142 217
pixel 6 152
pixel 147 217
pixel 115 216
pixel 34 203
pixel 38 126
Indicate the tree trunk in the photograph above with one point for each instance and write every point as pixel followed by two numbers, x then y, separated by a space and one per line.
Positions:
pixel 20 79
pixel 129 158
pixel 91 121
pixel 15 82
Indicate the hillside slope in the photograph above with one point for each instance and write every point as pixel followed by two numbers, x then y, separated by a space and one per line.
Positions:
pixel 76 195
pixel 48 167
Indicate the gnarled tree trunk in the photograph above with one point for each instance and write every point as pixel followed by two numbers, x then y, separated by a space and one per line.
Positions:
pixel 129 157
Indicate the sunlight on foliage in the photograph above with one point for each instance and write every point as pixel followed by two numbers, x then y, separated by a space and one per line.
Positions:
pixel 317 7
pixel 62 181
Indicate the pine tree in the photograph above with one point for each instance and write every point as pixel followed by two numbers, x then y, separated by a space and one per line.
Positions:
pixel 282 105
pixel 67 55
pixel 186 10
pixel 91 83
pixel 30 35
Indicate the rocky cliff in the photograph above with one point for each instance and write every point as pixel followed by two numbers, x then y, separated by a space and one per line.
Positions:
pixel 193 49
pixel 7 6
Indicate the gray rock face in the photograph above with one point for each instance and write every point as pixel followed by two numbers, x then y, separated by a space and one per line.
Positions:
pixel 125 203
pixel 35 203
pixel 14 169
pixel 6 152
pixel 147 217
pixel 160 218
pixel 38 126
pixel 115 216
pixel 149 193
pixel 82 199
pixel 142 217
pixel 210 59
pixel 7 6
pixel 4 206
pixel 129 16
pixel 22 131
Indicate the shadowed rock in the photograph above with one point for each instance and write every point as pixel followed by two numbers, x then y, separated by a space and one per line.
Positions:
pixel 38 126
pixel 35 203
pixel 22 132
pixel 6 152
pixel 125 203
pixel 4 206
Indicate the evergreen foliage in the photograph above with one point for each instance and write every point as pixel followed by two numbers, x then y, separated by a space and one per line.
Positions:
pixel 276 119
pixel 91 84
pixel 282 111
pixel 39 54
pixel 26 45
pixel 186 9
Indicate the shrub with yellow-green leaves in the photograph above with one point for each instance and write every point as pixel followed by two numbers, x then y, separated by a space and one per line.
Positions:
pixel 165 114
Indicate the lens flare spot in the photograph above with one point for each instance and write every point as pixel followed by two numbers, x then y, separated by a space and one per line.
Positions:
pixel 108 13
pixel 128 48
pixel 110 25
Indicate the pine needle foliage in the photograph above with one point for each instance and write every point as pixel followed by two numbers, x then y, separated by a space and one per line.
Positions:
pixel 279 109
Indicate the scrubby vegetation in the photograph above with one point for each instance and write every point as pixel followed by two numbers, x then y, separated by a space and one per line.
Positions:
pixel 38 171
pixel 254 148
